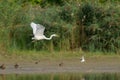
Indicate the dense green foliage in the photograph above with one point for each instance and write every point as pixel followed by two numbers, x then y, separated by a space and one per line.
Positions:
pixel 62 76
pixel 86 25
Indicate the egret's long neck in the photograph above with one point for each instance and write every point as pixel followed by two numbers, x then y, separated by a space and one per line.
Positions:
pixel 49 37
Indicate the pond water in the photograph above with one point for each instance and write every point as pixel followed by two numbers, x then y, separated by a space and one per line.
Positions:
pixel 62 76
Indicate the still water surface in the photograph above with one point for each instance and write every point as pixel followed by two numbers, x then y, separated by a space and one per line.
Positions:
pixel 62 76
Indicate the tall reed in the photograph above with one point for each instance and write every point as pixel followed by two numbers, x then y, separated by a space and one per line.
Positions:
pixel 83 26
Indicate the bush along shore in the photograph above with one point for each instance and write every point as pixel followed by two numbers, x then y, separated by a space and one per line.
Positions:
pixel 86 25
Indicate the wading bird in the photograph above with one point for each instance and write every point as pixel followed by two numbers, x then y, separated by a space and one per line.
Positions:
pixel 2 66
pixel 61 64
pixel 16 66
pixel 82 59
pixel 38 32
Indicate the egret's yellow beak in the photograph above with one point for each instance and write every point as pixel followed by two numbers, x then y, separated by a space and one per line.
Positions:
pixel 57 35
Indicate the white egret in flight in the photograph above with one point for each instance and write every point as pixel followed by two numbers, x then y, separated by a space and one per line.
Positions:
pixel 38 32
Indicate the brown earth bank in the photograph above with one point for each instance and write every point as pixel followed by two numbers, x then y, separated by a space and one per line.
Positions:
pixel 91 65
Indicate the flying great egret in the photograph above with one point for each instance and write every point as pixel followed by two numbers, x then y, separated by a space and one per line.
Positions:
pixel 38 32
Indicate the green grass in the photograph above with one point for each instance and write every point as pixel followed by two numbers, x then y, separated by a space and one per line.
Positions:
pixel 91 27
pixel 26 56
pixel 62 76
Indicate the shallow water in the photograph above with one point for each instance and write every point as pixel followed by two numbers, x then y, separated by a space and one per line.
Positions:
pixel 62 76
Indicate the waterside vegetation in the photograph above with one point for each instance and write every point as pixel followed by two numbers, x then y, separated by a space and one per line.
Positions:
pixel 90 26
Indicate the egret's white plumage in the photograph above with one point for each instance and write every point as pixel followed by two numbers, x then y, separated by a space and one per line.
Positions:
pixel 38 32
pixel 82 59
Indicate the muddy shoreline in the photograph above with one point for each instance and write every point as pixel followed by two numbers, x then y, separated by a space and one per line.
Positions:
pixel 92 65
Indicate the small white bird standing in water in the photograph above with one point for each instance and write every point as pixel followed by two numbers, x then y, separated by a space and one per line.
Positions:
pixel 82 59
pixel 38 32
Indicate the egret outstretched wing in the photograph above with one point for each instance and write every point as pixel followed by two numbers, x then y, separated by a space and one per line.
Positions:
pixel 33 25
pixel 38 29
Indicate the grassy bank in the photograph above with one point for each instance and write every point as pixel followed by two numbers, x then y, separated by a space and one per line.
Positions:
pixel 28 56
pixel 83 25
